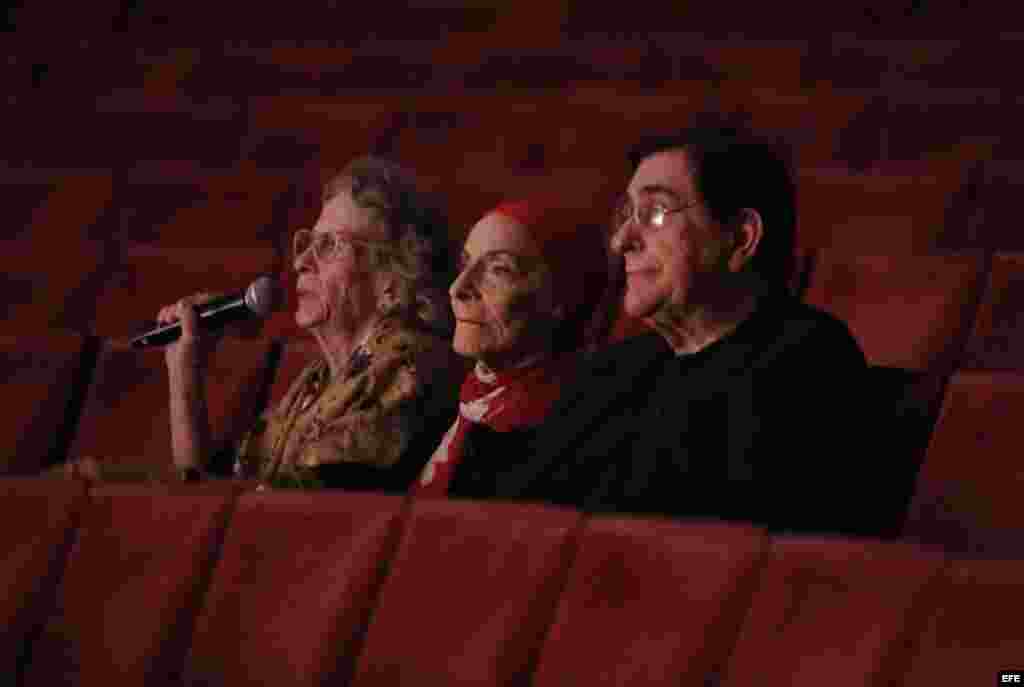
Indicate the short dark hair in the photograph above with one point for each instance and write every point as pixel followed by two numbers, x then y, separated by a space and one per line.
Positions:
pixel 733 170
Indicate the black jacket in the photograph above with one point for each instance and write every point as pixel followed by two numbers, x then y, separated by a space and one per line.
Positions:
pixel 767 425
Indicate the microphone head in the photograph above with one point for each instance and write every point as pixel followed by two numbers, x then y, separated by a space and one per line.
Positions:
pixel 263 296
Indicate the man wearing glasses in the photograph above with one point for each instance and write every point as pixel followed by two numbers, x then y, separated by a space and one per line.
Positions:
pixel 742 403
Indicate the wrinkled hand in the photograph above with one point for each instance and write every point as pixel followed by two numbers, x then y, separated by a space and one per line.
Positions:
pixel 188 357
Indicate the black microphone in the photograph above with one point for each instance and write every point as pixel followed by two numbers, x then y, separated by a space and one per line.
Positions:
pixel 259 300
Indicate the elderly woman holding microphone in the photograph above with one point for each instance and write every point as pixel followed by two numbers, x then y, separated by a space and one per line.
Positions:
pixel 371 280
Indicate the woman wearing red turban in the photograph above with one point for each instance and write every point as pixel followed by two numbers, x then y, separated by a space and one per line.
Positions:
pixel 530 280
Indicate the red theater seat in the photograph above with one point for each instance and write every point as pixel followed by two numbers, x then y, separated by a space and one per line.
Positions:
pixel 967 498
pixel 41 517
pixel 43 378
pixel 145 277
pixel 49 281
pixel 113 132
pixel 811 121
pixel 909 311
pixel 651 602
pixel 974 628
pixel 470 596
pixel 133 587
pixel 904 405
pixel 179 203
pixel 284 126
pixel 889 212
pixel 997 341
pixel 235 208
pixel 125 422
pixel 25 199
pixel 989 198
pixel 836 612
pixel 76 203
pixel 148 198
pixel 294 588
pixel 440 137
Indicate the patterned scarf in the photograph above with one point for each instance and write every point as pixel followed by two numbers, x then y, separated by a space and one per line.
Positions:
pixel 503 401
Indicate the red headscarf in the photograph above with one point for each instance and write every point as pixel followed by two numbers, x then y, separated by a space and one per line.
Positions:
pixel 575 253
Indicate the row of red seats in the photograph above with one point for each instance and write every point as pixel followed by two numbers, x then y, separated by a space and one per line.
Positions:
pixel 210 586
pixel 488 47
pixel 581 125
pixel 75 399
pixel 159 201
pixel 924 312
pixel 919 312
pixel 918 319
pixel 941 205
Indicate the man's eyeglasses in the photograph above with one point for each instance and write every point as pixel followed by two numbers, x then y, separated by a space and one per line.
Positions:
pixel 326 244
pixel 651 215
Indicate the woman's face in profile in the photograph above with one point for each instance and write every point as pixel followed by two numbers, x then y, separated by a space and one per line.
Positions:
pixel 502 298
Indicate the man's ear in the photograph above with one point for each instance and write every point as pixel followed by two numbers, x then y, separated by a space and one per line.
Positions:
pixel 747 237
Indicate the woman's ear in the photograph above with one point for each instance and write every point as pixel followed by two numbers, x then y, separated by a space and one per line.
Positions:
pixel 746 239
pixel 387 290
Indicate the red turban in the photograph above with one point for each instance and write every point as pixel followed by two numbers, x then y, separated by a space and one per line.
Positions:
pixel 575 253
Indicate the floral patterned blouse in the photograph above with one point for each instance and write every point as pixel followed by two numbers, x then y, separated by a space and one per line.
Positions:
pixel 369 416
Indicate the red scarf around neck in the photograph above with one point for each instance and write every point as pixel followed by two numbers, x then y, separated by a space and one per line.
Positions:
pixel 504 401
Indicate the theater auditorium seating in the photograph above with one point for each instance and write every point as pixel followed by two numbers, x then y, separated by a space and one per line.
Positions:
pixel 50 281
pixel 53 203
pixel 42 377
pixel 287 131
pixel 138 172
pixel 973 628
pixel 997 339
pixel 651 602
pixel 295 585
pixel 210 136
pixel 912 315
pixel 986 200
pixel 205 585
pixel 194 207
pixel 144 277
pixel 906 311
pixel 125 421
pixel 40 518
pixel 835 611
pixel 489 577
pixel 885 210
pixel 134 582
pixel 967 492
pixel 27 198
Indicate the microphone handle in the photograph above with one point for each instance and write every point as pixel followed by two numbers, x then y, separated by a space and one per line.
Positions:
pixel 211 316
